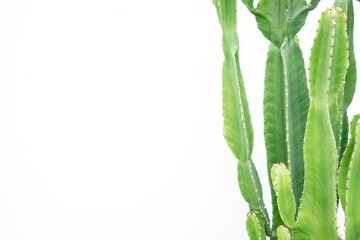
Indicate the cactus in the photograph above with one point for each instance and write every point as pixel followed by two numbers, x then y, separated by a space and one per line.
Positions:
pixel 255 226
pixel 283 233
pixel 350 80
pixel 286 96
pixel 352 188
pixel 309 159
pixel 238 130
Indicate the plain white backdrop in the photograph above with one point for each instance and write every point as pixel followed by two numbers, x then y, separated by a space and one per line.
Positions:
pixel 111 121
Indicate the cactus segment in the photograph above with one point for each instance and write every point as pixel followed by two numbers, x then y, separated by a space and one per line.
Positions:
pixel 283 233
pixel 238 131
pixel 352 211
pixel 350 80
pixel 298 11
pixel 254 226
pixel 317 213
pixel 271 18
pixel 297 108
pixel 285 198
pixel 251 189
pixel 274 118
pixel 286 94
pixel 343 170
pixel 286 103
pixel 339 66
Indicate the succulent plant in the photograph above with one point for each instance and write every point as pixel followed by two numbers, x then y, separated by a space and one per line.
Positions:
pixel 310 162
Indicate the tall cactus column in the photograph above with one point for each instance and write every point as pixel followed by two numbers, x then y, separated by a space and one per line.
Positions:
pixel 350 80
pixel 238 130
pixel 318 203
pixel 286 95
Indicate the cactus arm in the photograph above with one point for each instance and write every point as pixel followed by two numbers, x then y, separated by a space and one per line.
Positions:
pixel 285 198
pixel 297 109
pixel 350 80
pixel 274 118
pixel 238 130
pixel 237 123
pixel 251 190
pixel 352 211
pixel 283 233
pixel 286 103
pixel 338 72
pixel 254 226
pixel 316 218
pixel 343 170
pixel 347 6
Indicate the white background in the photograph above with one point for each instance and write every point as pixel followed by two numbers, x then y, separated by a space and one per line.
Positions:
pixel 111 122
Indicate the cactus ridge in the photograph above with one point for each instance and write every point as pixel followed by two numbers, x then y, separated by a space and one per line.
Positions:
pixel 352 189
pixel 350 80
pixel 344 165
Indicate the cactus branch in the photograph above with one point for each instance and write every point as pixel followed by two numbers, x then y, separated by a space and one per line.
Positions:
pixel 283 233
pixel 275 118
pixel 352 211
pixel 285 198
pixel 297 109
pixel 350 80
pixel 255 226
pixel 238 130
pixel 318 202
pixel 345 162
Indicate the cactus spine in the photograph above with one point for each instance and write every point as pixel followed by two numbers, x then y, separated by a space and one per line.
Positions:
pixel 306 136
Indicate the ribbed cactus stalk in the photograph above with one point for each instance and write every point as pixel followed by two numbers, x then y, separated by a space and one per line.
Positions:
pixel 350 80
pixel 286 95
pixel 238 131
pixel 311 164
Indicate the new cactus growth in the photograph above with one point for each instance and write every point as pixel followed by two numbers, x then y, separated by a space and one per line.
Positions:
pixel 283 233
pixel 309 159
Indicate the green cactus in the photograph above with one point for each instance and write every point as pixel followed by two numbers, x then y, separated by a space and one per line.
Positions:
pixel 238 130
pixel 281 180
pixel 350 80
pixel 309 159
pixel 352 211
pixel 255 226
pixel 345 162
pixel 283 233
